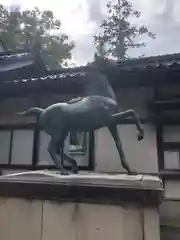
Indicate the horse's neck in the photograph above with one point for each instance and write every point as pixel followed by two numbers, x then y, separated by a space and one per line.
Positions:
pixel 111 93
pixel 99 85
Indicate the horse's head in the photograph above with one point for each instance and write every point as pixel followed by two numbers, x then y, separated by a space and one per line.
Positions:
pixel 97 81
pixel 99 63
pixel 104 65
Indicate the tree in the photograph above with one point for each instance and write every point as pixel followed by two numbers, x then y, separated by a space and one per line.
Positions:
pixel 30 27
pixel 119 33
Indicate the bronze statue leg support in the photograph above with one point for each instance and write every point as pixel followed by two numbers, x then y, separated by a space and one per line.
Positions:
pixel 130 113
pixel 114 132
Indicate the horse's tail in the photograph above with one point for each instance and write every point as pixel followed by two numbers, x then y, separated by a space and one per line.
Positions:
pixel 32 111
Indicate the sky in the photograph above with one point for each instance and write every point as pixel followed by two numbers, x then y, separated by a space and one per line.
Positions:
pixel 81 19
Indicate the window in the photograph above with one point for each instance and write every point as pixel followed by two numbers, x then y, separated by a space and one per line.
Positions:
pixel 16 146
pixel 171 147
pixel 172 159
pixel 5 137
pixel 168 135
pixel 78 143
pixel 26 147
pixel 22 147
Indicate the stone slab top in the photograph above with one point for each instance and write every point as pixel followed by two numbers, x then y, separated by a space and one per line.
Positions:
pixel 98 188
pixel 139 181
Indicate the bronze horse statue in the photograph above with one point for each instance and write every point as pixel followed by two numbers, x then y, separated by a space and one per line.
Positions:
pixel 97 109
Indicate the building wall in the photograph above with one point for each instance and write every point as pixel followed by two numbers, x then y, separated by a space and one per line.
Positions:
pixel 141 156
pixel 23 139
pixel 169 210
pixel 171 134
pixel 43 220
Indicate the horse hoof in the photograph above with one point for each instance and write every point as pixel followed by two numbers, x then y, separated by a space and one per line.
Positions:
pixel 132 173
pixel 140 135
pixel 75 169
pixel 64 173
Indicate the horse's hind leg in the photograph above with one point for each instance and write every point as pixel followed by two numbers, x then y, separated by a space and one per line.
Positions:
pixel 114 132
pixel 60 151
pixel 130 113
pixel 52 149
pixel 72 162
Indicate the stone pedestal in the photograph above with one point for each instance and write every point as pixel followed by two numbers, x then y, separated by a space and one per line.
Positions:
pixel 43 205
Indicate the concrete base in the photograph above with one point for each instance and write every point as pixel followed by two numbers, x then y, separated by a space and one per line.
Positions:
pixel 80 212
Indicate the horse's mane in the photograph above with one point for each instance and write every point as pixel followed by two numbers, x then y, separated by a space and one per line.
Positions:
pixel 100 78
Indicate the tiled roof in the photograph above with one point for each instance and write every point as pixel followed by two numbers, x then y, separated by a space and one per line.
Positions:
pixel 167 61
pixel 18 64
pixel 15 61
pixel 18 60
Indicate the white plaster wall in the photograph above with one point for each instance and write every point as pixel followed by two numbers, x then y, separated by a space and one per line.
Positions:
pixel 141 156
pixel 22 147
pixel 43 220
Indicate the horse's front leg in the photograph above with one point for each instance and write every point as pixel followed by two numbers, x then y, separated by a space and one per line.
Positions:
pixel 114 132
pixel 130 113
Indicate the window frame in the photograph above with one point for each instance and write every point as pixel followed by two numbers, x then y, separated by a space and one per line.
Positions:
pixel 162 146
pixel 82 149
pixel 36 146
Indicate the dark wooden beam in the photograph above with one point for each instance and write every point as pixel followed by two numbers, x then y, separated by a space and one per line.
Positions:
pixel 36 138
pixel 91 150
pixel 11 146
pixel 39 167
pixel 170 174
pixel 166 104
pixel 171 145
pixel 159 142
pixel 18 126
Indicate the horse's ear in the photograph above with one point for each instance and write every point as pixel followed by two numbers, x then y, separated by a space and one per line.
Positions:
pixel 99 61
